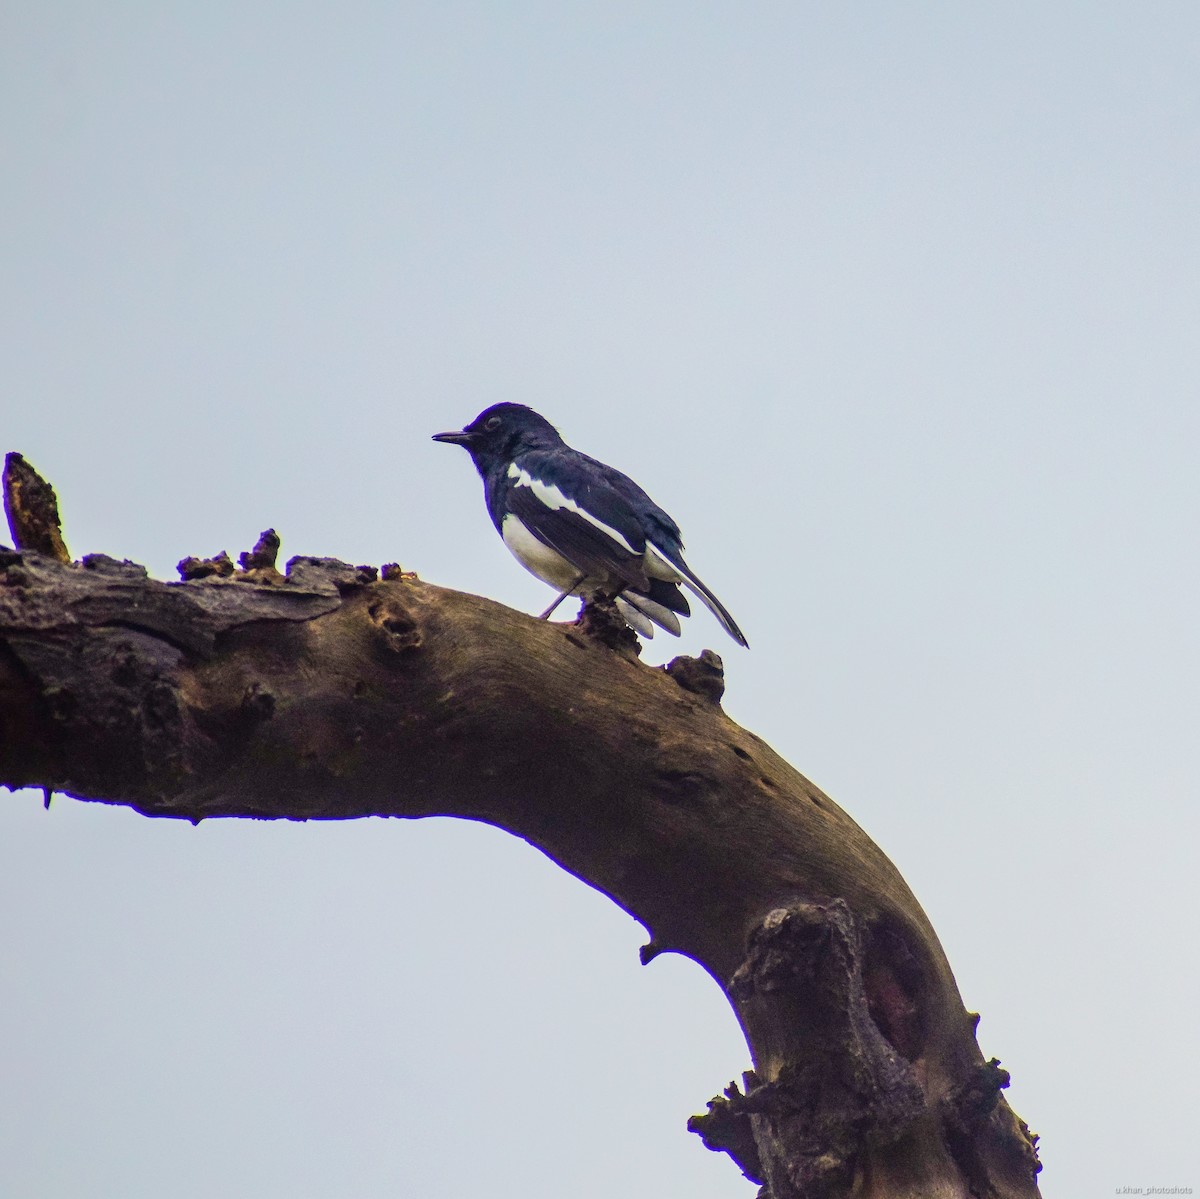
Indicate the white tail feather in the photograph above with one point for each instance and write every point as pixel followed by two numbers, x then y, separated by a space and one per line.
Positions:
pixel 662 616
pixel 633 618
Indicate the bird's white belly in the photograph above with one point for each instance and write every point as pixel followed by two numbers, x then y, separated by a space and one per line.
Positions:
pixel 537 558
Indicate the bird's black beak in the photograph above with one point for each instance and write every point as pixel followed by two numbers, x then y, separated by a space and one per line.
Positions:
pixel 456 437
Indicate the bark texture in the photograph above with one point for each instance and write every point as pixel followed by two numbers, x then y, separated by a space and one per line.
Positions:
pixel 327 692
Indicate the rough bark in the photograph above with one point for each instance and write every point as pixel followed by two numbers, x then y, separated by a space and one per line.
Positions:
pixel 329 693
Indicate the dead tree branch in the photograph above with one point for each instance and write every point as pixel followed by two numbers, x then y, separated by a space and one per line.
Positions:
pixel 329 693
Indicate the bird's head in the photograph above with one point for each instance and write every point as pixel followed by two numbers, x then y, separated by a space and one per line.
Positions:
pixel 500 432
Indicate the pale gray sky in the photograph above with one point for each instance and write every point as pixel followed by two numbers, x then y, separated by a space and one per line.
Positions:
pixel 895 311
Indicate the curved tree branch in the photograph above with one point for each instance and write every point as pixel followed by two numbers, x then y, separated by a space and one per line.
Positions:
pixel 329 693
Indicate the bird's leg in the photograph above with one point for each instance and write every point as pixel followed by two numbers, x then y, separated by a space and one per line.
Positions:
pixel 550 610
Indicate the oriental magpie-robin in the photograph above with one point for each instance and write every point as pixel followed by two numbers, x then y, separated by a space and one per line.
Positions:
pixel 579 525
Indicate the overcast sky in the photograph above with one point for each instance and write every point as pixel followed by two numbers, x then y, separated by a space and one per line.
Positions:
pixel 896 311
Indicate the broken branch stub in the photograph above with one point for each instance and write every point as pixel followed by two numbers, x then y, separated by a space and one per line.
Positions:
pixel 32 510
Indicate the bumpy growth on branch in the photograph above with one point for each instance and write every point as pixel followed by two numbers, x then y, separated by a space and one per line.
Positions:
pixel 330 691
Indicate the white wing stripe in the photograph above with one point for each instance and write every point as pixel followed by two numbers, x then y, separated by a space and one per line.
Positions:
pixel 554 499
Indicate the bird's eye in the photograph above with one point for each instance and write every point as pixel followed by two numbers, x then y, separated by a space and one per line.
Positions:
pixel 492 422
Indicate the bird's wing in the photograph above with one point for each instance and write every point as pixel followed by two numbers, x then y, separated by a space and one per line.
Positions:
pixel 567 504
pixel 651 517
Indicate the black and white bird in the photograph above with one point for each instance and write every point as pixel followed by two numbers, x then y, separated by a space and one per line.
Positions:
pixel 579 525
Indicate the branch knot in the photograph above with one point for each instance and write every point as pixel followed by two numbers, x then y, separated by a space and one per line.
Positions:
pixel 703 676
pixel 837 1081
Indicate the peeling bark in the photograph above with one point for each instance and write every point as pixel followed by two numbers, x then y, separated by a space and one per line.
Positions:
pixel 327 692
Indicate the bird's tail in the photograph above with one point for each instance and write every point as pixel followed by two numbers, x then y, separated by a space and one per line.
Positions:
pixel 670 566
pixel 714 605
pixel 635 618
pixel 661 602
